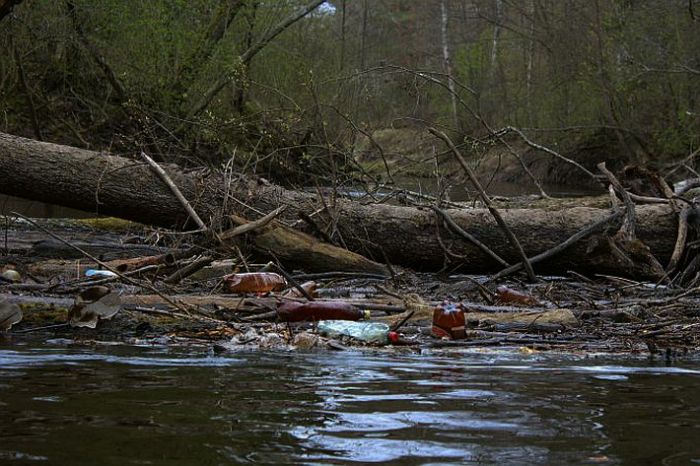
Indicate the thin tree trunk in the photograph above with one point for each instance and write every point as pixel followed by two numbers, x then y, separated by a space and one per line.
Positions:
pixel 343 11
pixel 496 34
pixel 248 55
pixel 447 63
pixel 530 63
pixel 363 49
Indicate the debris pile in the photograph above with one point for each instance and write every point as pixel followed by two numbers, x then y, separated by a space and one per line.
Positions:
pixel 183 294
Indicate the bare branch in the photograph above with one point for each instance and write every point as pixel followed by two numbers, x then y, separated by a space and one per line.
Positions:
pixel 248 55
pixel 489 205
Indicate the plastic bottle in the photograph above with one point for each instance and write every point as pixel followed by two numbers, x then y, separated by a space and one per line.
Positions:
pixel 507 295
pixel 448 321
pixel 309 287
pixel 292 311
pixel 256 282
pixel 94 273
pixel 368 332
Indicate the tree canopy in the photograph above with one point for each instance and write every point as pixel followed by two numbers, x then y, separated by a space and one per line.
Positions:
pixel 293 83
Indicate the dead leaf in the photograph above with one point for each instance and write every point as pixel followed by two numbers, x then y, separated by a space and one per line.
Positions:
pixel 92 305
pixel 10 314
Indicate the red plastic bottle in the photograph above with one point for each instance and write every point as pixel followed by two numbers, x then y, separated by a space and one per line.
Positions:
pixel 448 321
pixel 292 311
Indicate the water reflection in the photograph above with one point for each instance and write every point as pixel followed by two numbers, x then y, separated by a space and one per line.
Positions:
pixel 118 405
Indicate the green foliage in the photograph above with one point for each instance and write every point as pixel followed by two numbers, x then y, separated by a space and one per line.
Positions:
pixel 570 63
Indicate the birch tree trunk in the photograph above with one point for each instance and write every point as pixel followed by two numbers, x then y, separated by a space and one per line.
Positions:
pixel 447 64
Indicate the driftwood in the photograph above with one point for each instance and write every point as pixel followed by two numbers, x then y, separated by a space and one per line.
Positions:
pixel 109 185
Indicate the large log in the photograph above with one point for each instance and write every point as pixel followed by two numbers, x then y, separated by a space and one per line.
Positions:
pixel 408 236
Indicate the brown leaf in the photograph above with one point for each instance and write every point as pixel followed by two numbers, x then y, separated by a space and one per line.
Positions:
pixel 92 305
pixel 10 314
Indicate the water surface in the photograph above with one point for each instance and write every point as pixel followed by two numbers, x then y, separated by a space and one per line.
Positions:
pixel 64 404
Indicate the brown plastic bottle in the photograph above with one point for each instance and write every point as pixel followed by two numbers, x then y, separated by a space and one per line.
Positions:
pixel 448 321
pixel 309 287
pixel 507 295
pixel 256 282
pixel 292 311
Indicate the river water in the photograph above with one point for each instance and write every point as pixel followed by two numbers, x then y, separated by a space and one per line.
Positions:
pixel 117 405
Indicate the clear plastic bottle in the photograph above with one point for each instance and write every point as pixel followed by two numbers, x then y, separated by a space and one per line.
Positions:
pixel 368 332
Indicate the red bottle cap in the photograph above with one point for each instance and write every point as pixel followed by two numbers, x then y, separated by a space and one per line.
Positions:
pixel 394 337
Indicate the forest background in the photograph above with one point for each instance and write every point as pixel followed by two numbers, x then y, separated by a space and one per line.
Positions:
pixel 298 91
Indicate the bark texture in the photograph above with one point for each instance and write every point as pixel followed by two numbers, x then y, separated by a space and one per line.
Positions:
pixel 408 236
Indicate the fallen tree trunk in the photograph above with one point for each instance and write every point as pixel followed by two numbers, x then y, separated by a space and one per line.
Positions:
pixel 408 236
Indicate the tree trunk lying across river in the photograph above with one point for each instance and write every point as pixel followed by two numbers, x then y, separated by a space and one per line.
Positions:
pixel 407 236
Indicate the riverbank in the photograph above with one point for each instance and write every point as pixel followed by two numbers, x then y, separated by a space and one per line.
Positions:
pixel 571 313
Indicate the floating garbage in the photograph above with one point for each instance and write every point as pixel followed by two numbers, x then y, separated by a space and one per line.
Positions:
pixel 448 321
pixel 368 332
pixel 95 273
pixel 254 282
pixel 292 311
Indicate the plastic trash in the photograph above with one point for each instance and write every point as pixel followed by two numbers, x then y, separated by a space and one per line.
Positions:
pixel 507 295
pixel 368 332
pixel 292 311
pixel 255 282
pixel 94 273
pixel 448 321
pixel 11 275
pixel 309 287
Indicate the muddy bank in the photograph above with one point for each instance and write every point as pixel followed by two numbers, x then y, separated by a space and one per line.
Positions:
pixel 412 153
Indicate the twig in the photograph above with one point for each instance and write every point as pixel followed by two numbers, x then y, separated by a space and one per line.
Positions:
pixel 104 264
pixel 293 282
pixel 400 323
pixel 681 238
pixel 550 151
pixel 468 236
pixel 27 91
pixel 388 292
pixel 45 327
pixel 317 229
pixel 489 205
pixel 346 275
pixel 649 199
pixel 152 310
pixel 175 190
pixel 628 226
pixel 243 228
pixel 560 247
pixel 188 270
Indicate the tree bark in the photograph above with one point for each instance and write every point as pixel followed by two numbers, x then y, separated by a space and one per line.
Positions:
pixel 407 236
